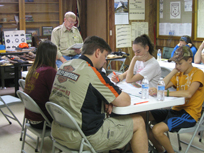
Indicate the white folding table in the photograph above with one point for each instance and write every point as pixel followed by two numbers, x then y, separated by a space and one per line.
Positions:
pixel 142 105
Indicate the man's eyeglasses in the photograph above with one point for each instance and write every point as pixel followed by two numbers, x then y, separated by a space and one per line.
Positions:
pixel 71 22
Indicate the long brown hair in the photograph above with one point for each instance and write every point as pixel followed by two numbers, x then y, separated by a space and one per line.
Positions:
pixel 45 55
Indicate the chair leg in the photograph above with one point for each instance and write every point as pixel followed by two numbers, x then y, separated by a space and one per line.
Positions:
pixel 6 117
pixel 23 127
pixel 42 138
pixel 201 135
pixel 53 146
pixel 179 143
pixel 36 149
pixel 23 142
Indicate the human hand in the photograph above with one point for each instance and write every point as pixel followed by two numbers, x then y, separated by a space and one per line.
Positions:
pixel 175 70
pixel 62 59
pixel 108 108
pixel 140 58
pixel 202 44
pixel 189 44
pixel 153 91
pixel 114 78
pixel 78 51
pixel 179 44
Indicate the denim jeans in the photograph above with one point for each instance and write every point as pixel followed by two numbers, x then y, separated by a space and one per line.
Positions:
pixel 59 63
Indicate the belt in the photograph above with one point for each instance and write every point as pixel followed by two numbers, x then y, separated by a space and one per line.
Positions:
pixel 70 55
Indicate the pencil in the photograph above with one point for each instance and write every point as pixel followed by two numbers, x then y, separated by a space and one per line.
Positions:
pixel 141 102
pixel 116 76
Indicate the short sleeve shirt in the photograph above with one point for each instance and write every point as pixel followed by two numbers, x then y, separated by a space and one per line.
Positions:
pixel 82 90
pixel 192 105
pixel 64 39
pixel 150 68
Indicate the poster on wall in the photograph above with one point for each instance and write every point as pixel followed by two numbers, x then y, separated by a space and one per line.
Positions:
pixel 139 28
pixel 136 9
pixel 13 39
pixel 121 11
pixel 188 5
pixel 161 12
pixel 175 10
pixel 123 36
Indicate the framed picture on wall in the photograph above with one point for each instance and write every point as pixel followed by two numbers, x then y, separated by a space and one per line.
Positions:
pixel 46 31
pixel 33 31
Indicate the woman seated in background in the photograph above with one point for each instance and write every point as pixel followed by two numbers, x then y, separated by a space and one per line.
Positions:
pixel 39 81
pixel 142 64
pixel 199 56
pixel 185 41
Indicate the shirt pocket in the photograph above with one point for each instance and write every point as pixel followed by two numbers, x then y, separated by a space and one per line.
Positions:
pixel 76 39
pixel 63 44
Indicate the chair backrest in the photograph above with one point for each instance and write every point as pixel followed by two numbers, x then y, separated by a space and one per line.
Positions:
pixel 62 116
pixel 167 52
pixel 164 72
pixel 31 105
pixel 21 82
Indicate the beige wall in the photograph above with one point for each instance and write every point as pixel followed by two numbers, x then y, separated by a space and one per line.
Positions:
pixel 96 18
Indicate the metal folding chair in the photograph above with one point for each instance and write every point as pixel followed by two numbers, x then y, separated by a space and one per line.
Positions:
pixel 31 105
pixel 64 118
pixel 5 101
pixel 199 127
pixel 21 82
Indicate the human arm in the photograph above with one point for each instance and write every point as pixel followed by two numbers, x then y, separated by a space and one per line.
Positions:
pixel 167 79
pixel 122 100
pixel 185 93
pixel 130 77
pixel 172 53
pixel 120 77
pixel 199 57
pixel 180 93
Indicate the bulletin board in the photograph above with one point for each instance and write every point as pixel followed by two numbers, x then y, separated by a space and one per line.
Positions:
pixel 174 18
pixel 198 20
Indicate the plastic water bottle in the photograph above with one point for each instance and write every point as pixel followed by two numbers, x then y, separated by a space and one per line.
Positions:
pixel 160 89
pixel 145 88
pixel 159 55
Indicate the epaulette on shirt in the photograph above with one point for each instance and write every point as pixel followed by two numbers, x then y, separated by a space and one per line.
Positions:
pixel 57 28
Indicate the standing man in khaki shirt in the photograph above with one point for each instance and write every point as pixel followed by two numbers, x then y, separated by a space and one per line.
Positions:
pixel 64 36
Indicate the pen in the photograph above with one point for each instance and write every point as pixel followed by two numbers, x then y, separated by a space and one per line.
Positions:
pixel 141 102
pixel 116 76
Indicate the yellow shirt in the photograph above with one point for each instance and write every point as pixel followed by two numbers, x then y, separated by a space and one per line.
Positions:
pixel 64 39
pixel 193 105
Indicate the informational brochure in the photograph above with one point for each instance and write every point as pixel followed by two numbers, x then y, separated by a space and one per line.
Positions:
pixel 76 46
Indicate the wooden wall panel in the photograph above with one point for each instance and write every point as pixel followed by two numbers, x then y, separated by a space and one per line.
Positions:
pixel 96 18
pixel 150 17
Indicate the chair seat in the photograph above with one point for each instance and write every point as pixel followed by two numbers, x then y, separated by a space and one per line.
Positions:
pixel 191 129
pixel 38 132
pixel 8 99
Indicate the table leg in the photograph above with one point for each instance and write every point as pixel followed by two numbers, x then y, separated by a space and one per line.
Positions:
pixel 16 70
pixel 2 78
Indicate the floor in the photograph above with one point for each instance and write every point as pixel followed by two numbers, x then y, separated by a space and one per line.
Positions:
pixel 10 134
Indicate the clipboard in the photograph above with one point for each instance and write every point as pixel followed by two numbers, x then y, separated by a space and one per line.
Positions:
pixel 76 46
